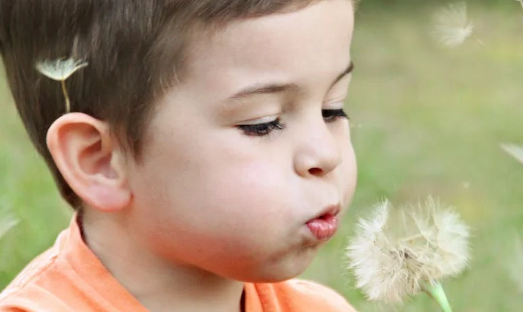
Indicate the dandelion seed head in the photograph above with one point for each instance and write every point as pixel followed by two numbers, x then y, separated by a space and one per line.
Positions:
pixel 452 26
pixel 395 251
pixel 60 69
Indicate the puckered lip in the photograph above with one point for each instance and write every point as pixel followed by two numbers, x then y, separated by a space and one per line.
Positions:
pixel 331 210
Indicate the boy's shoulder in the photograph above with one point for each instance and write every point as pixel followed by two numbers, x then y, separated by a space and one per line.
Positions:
pixel 31 288
pixel 27 283
pixel 68 277
pixel 302 295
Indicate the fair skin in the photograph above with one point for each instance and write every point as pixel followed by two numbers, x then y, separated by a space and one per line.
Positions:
pixel 213 203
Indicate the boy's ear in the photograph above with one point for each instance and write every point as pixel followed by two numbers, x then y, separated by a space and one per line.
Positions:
pixel 90 161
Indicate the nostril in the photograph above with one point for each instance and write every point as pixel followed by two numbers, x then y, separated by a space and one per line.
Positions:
pixel 315 171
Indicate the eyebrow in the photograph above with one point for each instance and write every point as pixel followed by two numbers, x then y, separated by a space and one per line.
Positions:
pixel 347 71
pixel 271 88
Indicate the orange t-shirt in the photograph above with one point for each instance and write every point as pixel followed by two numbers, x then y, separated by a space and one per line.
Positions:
pixel 69 277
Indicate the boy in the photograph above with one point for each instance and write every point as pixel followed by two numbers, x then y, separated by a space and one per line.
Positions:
pixel 206 151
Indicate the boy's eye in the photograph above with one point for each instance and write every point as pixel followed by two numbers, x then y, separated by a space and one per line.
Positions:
pixel 331 115
pixel 262 129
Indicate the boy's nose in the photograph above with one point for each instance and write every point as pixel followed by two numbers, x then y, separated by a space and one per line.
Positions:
pixel 318 152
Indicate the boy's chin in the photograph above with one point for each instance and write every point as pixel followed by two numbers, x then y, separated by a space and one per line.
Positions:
pixel 273 278
pixel 281 272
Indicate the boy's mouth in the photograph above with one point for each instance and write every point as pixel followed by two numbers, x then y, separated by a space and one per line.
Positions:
pixel 325 225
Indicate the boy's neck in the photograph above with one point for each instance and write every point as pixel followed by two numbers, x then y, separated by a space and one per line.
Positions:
pixel 158 285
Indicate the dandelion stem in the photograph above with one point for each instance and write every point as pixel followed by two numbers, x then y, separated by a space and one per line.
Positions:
pixel 437 293
pixel 66 95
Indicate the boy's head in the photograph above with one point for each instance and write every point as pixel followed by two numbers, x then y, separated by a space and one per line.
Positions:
pixel 212 129
pixel 136 50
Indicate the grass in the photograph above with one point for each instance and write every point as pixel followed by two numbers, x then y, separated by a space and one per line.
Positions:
pixel 426 120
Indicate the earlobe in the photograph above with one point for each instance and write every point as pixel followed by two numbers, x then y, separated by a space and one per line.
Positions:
pixel 90 160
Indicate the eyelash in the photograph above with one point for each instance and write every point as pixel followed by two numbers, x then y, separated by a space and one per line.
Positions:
pixel 263 129
pixel 331 115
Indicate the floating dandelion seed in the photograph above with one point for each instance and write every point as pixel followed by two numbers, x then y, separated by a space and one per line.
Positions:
pixel 520 2
pixel 397 253
pixel 60 70
pixel 452 26
pixel 7 222
pixel 514 151
pixel 515 265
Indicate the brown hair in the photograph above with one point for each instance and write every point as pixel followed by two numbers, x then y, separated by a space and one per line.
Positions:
pixel 134 49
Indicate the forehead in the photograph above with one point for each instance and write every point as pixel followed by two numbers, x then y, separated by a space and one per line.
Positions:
pixel 283 46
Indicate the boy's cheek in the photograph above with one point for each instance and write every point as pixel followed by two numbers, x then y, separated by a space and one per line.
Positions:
pixel 348 175
pixel 256 183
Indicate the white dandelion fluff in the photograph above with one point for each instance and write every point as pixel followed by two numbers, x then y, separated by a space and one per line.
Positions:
pixel 60 70
pixel 396 253
pixel 515 264
pixel 514 151
pixel 520 2
pixel 452 25
pixel 7 222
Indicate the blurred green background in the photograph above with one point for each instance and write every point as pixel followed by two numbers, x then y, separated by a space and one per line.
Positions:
pixel 426 120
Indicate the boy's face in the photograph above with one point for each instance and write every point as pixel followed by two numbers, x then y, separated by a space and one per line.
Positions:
pixel 221 187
